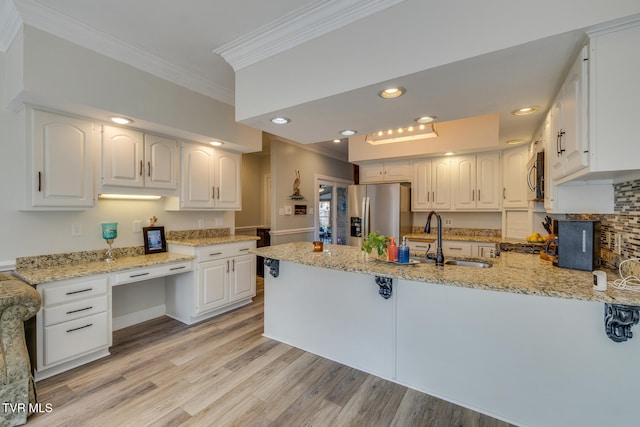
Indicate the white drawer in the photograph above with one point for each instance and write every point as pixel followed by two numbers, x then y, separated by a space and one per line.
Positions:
pixel 67 292
pixel 75 338
pixel 454 248
pixel 213 252
pixel 152 272
pixel 75 310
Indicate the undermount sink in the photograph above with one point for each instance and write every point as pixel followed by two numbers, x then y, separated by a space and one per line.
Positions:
pixel 468 263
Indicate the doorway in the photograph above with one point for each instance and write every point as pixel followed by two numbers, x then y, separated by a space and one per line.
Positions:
pixel 331 200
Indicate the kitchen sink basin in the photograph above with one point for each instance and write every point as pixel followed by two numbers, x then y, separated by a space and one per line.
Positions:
pixel 468 263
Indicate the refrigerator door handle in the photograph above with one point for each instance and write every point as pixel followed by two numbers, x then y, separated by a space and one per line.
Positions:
pixel 367 219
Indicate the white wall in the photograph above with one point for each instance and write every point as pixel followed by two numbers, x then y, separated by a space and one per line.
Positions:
pixel 66 77
pixel 488 220
pixel 286 158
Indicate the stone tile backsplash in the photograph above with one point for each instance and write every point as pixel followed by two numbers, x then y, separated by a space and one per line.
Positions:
pixel 626 222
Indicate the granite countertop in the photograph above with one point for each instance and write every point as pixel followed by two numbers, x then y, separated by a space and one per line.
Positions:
pixel 511 272
pixel 206 241
pixel 461 237
pixel 35 276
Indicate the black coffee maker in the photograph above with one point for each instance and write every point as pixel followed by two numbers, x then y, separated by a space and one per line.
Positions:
pixel 578 244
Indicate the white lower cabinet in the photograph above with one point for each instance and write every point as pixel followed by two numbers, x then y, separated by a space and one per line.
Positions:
pixel 457 248
pixel 224 279
pixel 74 325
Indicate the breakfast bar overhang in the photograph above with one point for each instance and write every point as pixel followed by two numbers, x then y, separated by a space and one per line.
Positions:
pixel 521 341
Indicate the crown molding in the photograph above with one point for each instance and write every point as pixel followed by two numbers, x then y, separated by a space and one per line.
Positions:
pixel 46 19
pixel 299 26
pixel 10 23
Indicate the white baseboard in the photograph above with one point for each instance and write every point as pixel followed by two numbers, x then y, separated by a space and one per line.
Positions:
pixel 138 317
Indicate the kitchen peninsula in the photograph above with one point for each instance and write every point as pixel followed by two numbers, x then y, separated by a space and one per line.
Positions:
pixel 522 341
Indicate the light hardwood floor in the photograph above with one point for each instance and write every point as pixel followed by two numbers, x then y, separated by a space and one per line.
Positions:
pixel 223 372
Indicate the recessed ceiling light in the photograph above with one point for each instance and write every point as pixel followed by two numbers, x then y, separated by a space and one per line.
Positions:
pixel 121 120
pixel 216 143
pixel 280 120
pixel 337 141
pixel 425 119
pixel 515 141
pixel 525 110
pixel 450 153
pixel 392 92
pixel 348 132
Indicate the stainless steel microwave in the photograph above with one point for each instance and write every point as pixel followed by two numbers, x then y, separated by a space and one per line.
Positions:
pixel 535 177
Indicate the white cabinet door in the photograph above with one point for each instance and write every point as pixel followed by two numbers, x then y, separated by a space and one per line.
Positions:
pixel 122 157
pixel 242 280
pixel 228 180
pixel 134 159
pixel 488 195
pixel 441 184
pixel 514 177
pixel 569 122
pixel 421 186
pixel 197 177
pixel 61 172
pixel 397 171
pixel 464 182
pixel 392 171
pixel 161 162
pixel 573 116
pixel 371 172
pixel 212 290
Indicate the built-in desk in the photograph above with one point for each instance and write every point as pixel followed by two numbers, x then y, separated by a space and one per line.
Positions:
pixel 75 323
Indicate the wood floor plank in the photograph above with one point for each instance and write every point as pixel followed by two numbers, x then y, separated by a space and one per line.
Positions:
pixel 224 372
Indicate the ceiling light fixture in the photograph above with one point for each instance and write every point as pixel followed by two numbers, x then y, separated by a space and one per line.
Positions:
pixel 525 111
pixel 216 143
pixel 280 120
pixel 425 119
pixel 121 120
pixel 515 141
pixel 410 133
pixel 337 141
pixel 348 132
pixel 392 92
pixel 449 153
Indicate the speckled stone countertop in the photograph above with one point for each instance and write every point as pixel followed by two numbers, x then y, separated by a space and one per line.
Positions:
pixel 205 241
pixel 36 276
pixel 511 272
pixel 461 237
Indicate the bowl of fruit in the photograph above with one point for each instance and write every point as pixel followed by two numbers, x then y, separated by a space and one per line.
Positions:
pixel 536 238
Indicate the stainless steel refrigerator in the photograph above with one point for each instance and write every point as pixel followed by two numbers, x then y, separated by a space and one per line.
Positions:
pixel 383 208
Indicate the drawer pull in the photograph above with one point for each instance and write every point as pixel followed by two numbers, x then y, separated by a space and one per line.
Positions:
pixel 139 275
pixel 80 327
pixel 177 268
pixel 423 246
pixel 243 249
pixel 455 249
pixel 79 310
pixel 215 254
pixel 80 291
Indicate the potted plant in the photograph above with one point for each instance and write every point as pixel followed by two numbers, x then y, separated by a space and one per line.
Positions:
pixel 378 242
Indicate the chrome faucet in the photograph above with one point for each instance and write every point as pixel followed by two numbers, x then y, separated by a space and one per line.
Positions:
pixel 439 256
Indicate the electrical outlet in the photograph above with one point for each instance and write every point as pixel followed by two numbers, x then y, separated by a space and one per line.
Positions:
pixel 201 223
pixel 137 226
pixel 619 244
pixel 76 230
pixel 448 221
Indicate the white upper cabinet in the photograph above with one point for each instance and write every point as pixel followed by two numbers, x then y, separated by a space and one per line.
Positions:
pixel 569 122
pixel 61 154
pixel 476 182
pixel 614 86
pixel 390 171
pixel 134 159
pixel 431 185
pixel 211 179
pixel 514 178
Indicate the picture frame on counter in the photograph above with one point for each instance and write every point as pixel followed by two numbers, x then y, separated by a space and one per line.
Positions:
pixel 154 240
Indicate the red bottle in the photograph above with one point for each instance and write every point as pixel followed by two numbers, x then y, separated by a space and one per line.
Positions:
pixel 392 250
